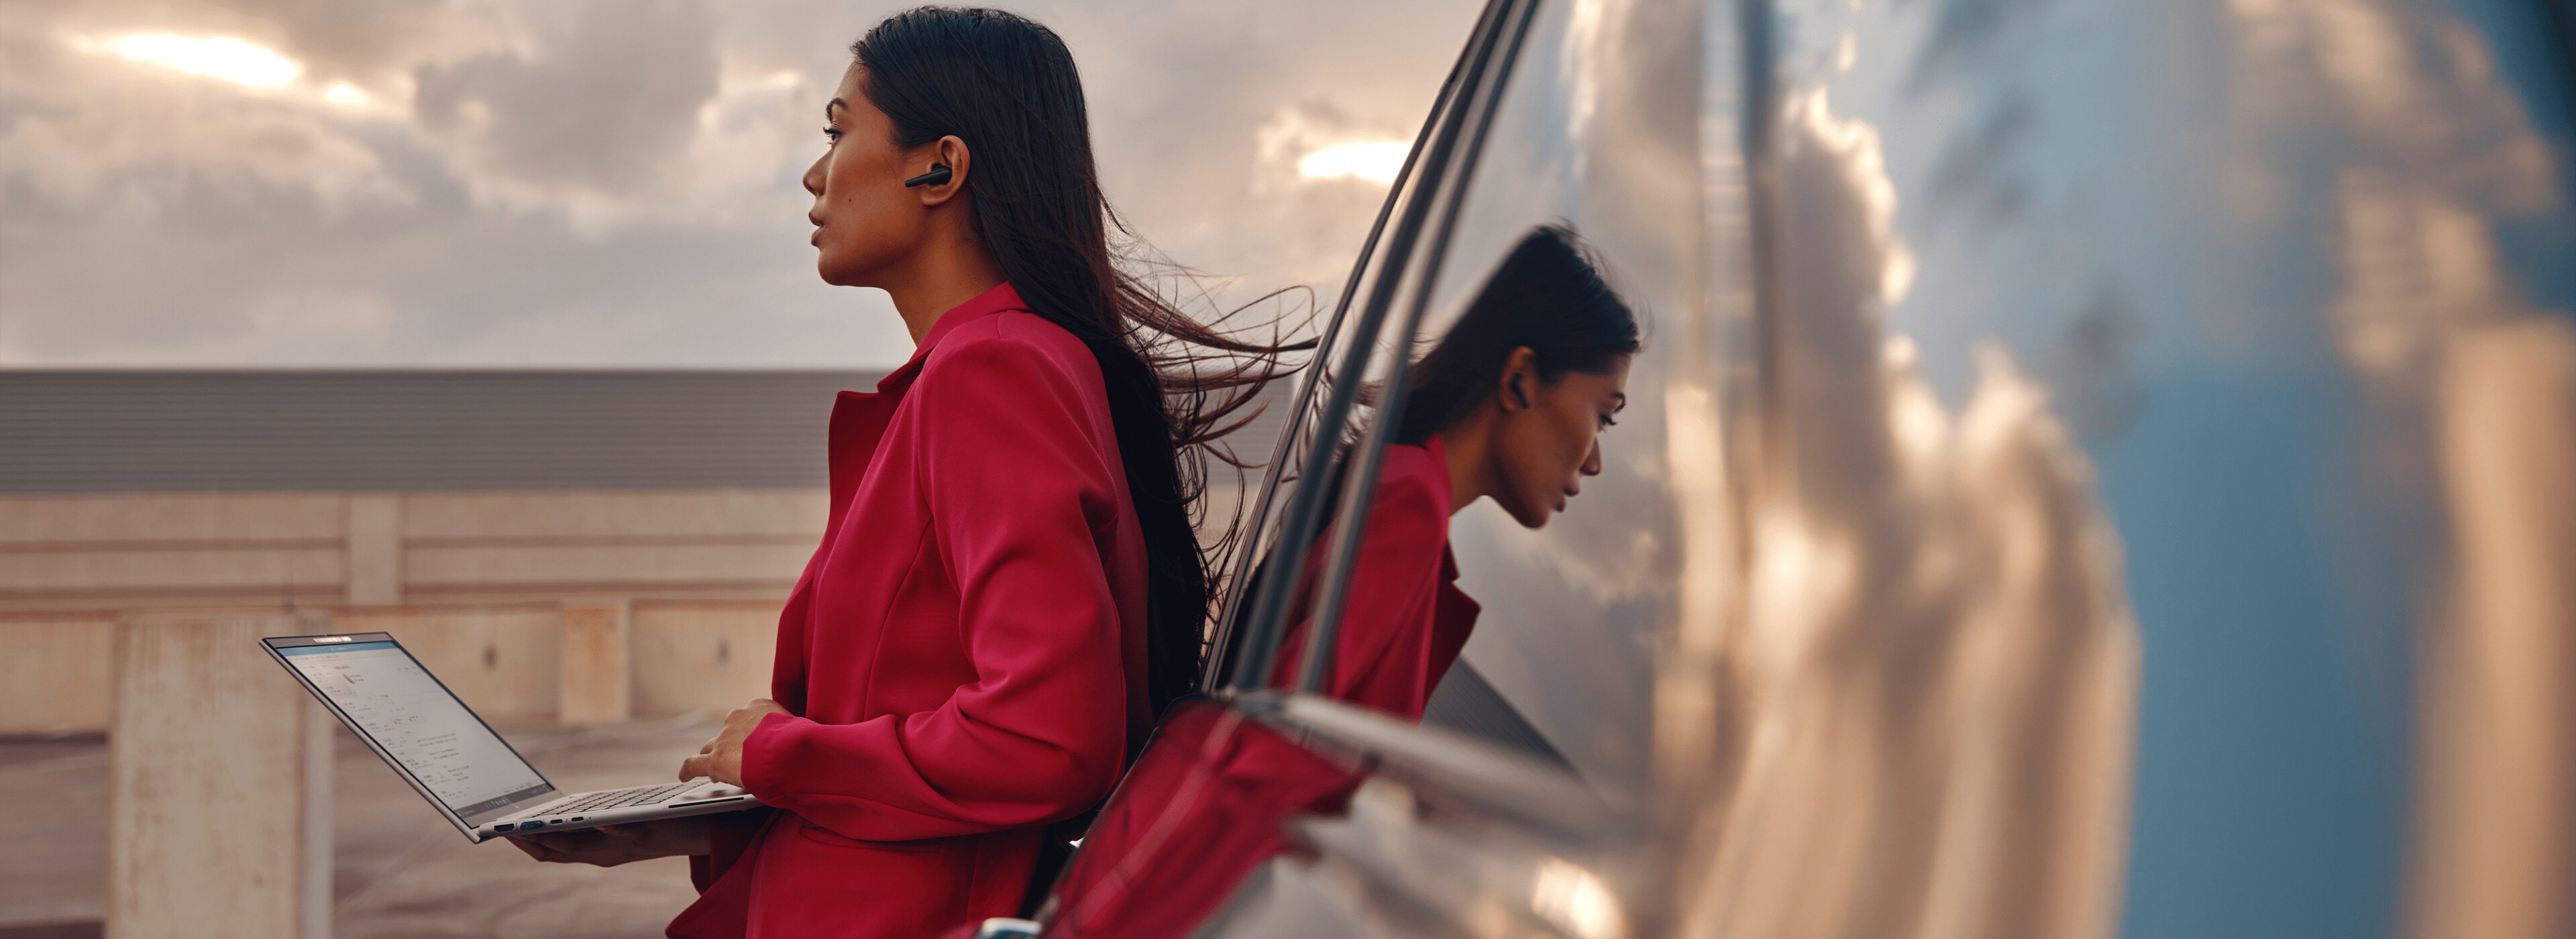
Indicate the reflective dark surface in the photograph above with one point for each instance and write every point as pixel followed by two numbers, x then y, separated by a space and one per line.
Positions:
pixel 2097 467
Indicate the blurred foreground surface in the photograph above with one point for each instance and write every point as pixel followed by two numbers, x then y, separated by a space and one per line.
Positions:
pixel 398 871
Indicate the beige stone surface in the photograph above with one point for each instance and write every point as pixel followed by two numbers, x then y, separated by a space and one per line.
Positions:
pixel 216 516
pixel 595 686
pixel 400 871
pixel 481 516
pixel 469 581
pixel 375 550
pixel 197 551
pixel 701 656
pixel 56 673
pixel 631 566
pixel 219 792
pixel 106 572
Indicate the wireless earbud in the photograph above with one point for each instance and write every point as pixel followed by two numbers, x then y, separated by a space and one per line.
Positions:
pixel 938 175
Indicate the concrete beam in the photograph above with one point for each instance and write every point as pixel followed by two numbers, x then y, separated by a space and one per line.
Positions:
pixel 219 785
pixel 375 550
pixel 56 673
pixel 701 656
pixel 596 686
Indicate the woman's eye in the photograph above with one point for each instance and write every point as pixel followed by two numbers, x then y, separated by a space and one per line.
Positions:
pixel 1608 422
pixel 832 134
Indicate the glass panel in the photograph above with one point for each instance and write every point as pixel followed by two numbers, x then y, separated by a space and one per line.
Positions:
pixel 1267 509
pixel 1561 656
pixel 2235 333
pixel 1270 593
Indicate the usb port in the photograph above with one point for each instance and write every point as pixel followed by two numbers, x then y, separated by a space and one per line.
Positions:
pixel 504 826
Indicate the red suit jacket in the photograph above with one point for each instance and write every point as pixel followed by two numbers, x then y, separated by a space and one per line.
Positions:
pixel 963 659
pixel 1403 618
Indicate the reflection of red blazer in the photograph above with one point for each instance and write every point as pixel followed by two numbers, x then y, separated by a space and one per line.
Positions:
pixel 1403 617
pixel 1205 804
pixel 964 654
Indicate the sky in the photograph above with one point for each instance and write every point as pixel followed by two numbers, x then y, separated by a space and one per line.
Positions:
pixel 605 183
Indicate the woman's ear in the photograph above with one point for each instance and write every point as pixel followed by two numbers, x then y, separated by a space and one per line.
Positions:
pixel 949 151
pixel 1520 376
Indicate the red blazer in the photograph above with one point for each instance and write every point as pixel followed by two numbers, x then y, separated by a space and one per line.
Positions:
pixel 964 657
pixel 1403 618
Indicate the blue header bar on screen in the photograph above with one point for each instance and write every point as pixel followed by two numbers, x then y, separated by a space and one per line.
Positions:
pixel 336 647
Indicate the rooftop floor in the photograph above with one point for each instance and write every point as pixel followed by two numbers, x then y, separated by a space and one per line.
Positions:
pixel 399 871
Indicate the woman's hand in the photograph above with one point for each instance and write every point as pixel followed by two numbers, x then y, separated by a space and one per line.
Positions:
pixel 612 845
pixel 721 758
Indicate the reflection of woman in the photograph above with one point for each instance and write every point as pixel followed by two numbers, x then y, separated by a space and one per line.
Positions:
pixel 1008 588
pixel 1508 406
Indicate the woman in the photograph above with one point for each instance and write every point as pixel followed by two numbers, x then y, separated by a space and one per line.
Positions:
pixel 1508 407
pixel 1009 589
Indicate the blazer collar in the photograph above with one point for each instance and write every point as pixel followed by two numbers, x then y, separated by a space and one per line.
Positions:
pixel 1002 298
pixel 1440 474
pixel 1440 484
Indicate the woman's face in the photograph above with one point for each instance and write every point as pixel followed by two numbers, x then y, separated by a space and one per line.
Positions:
pixel 863 215
pixel 1543 451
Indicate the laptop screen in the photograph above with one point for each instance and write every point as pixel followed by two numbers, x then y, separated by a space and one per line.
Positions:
pixel 385 694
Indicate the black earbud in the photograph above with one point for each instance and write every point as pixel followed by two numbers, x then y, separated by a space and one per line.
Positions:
pixel 938 175
pixel 1518 393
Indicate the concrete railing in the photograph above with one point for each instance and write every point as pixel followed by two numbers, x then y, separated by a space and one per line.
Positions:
pixel 592 662
pixel 219 796
pixel 219 785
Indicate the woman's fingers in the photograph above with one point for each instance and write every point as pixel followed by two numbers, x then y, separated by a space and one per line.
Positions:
pixel 566 847
pixel 695 766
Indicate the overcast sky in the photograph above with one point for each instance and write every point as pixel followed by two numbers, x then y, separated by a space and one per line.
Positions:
pixel 604 182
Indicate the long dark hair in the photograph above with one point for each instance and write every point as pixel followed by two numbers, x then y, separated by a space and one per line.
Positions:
pixel 1549 296
pixel 1007 87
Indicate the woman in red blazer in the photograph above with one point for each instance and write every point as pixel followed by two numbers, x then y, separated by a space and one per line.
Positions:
pixel 1008 590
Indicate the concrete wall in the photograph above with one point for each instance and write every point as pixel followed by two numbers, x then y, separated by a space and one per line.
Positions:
pixel 473 582
pixel 510 663
pixel 701 655
pixel 219 785
pixel 55 672
pixel 277 550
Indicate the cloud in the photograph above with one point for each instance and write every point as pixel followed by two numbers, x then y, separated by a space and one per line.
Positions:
pixel 518 178
pixel 596 113
pixel 1933 681
pixel 2441 147
pixel 98 116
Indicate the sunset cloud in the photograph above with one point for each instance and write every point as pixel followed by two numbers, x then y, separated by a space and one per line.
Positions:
pixel 605 181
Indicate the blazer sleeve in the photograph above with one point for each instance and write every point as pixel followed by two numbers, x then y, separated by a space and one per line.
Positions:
pixel 1023 500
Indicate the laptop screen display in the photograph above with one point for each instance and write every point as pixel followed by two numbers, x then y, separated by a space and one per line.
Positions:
pixel 388 696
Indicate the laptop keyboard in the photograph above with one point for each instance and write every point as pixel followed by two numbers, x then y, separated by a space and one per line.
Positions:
pixel 622 798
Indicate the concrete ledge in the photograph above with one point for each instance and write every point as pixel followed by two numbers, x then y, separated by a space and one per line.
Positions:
pixel 219 785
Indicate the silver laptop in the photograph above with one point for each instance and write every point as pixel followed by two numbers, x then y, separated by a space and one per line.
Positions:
pixel 453 758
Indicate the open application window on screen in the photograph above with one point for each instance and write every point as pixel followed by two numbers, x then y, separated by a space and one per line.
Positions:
pixel 419 723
